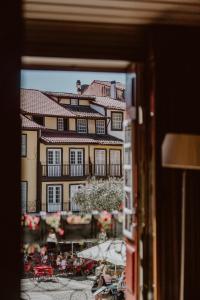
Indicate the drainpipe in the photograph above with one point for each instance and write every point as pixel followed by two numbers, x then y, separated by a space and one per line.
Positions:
pixel 39 175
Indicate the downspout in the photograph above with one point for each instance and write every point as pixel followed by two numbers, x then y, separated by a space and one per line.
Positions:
pixel 39 175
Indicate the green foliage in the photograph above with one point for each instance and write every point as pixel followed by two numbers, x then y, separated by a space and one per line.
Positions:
pixel 100 195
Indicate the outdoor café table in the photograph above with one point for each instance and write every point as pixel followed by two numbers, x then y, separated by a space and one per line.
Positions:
pixel 43 270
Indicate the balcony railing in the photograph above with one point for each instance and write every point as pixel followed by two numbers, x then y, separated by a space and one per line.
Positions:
pixel 54 207
pixel 81 170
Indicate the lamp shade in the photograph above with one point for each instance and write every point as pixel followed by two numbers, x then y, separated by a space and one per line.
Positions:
pixel 181 151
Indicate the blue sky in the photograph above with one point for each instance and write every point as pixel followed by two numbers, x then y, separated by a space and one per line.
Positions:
pixel 63 81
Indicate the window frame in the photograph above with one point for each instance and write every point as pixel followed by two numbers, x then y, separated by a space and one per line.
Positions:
pixel 63 124
pixel 47 197
pixel 96 126
pixel 24 154
pixel 70 198
pixel 112 123
pixel 26 199
pixel 77 121
pixel 72 100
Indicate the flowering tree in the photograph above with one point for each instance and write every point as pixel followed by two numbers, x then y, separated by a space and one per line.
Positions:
pixel 100 195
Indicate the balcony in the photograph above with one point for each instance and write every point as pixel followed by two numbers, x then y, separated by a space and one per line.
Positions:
pixel 80 171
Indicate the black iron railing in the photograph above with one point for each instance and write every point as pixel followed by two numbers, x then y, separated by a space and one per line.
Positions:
pixel 81 170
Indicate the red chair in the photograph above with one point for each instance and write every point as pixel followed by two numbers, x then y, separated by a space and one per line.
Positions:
pixel 43 270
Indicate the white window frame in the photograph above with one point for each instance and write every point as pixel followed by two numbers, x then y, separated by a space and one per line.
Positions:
pixel 100 127
pixel 24 145
pixel 54 205
pixel 60 124
pixel 54 168
pixel 24 196
pixel 74 206
pixel 117 120
pixel 100 162
pixel 74 102
pixel 82 126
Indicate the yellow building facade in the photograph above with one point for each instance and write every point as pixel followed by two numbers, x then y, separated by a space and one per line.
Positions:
pixel 66 140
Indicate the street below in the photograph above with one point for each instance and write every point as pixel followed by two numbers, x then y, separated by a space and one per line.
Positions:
pixel 57 288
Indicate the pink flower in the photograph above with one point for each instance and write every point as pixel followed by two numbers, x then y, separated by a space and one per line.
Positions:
pixel 60 231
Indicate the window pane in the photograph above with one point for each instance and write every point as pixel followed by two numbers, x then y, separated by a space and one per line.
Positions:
pixel 23 144
pixel 60 124
pixel 100 126
pixel 82 126
pixel 50 194
pixel 24 196
pixel 74 101
pixel 117 121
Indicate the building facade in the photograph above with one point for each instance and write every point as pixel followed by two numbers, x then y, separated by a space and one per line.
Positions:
pixel 67 139
pixel 112 89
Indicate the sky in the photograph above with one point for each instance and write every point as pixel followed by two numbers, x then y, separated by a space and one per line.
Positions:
pixel 63 81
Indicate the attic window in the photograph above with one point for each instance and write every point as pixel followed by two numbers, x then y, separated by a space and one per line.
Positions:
pixel 74 102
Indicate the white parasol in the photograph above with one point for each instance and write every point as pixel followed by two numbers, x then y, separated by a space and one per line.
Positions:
pixel 113 251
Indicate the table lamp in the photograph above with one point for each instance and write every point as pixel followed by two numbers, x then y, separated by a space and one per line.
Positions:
pixel 181 151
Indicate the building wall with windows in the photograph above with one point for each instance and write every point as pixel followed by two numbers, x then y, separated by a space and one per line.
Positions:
pixel 62 199
pixel 73 142
pixel 29 171
pixel 115 125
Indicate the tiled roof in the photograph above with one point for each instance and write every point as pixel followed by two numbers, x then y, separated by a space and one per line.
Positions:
pixel 29 124
pixel 110 103
pixel 68 95
pixel 119 85
pixel 35 102
pixel 84 111
pixel 54 137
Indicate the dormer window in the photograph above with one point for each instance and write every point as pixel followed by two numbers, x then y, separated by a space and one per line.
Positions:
pixel 81 125
pixel 74 102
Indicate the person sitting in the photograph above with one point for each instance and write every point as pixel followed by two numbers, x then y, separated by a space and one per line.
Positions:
pixel 121 287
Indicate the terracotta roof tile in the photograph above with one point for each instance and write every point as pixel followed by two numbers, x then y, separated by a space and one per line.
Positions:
pixel 68 95
pixel 84 111
pixel 110 103
pixel 54 137
pixel 29 124
pixel 35 102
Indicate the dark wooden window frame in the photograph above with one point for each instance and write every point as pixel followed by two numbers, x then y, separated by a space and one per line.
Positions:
pixel 118 112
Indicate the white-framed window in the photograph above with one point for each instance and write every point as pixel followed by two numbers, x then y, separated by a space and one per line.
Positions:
pixel 82 125
pixel 100 162
pixel 74 101
pixel 23 145
pixel 60 124
pixel 54 167
pixel 100 127
pixel 54 198
pixel 116 120
pixel 24 192
pixel 73 189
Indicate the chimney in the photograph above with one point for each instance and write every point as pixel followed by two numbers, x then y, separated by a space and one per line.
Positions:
pixel 78 87
pixel 113 90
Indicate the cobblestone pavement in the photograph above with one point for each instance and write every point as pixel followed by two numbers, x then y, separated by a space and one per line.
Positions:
pixel 57 289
